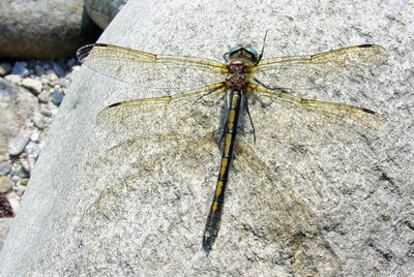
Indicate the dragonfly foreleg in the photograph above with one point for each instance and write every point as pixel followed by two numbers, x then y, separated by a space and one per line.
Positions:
pixel 218 88
pixel 246 105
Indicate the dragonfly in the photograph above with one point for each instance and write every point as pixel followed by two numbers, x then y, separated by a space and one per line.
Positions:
pixel 249 85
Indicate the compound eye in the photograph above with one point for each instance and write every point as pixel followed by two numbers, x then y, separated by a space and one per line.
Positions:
pixel 234 49
pixel 253 51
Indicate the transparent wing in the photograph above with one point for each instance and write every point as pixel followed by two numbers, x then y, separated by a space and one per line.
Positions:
pixel 194 113
pixel 150 71
pixel 313 70
pixel 293 120
pixel 277 214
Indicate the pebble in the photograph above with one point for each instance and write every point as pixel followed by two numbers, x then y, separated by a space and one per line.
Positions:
pixel 32 150
pixel 65 82
pixel 5 184
pixel 43 97
pixel 38 120
pixel 5 168
pixel 44 109
pixel 33 85
pixel 17 144
pixel 71 62
pixel 15 178
pixel 25 164
pixel 19 68
pixel 5 69
pixel 52 77
pixel 16 79
pixel 58 69
pixel 19 173
pixel 34 136
pixel 57 97
pixel 24 181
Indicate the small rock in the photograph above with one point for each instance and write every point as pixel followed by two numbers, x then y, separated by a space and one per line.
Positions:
pixel 19 173
pixel 15 178
pixel 24 181
pixel 5 68
pixel 38 120
pixel 39 69
pixel 58 69
pixel 44 109
pixel 64 82
pixel 52 77
pixel 45 80
pixel 25 164
pixel 43 97
pixel 16 79
pixel 5 168
pixel 32 150
pixel 19 189
pixel 71 62
pixel 5 184
pixel 57 97
pixel 19 68
pixel 33 85
pixel 34 137
pixel 17 144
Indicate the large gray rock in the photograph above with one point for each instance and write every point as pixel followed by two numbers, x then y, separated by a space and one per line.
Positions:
pixel 105 204
pixel 17 106
pixel 103 11
pixel 43 29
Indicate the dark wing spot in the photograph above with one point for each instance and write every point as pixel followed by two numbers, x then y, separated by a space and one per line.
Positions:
pixel 83 52
pixel 365 45
pixel 114 105
pixel 369 111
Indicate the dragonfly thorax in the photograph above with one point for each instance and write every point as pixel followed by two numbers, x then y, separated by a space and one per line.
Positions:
pixel 237 76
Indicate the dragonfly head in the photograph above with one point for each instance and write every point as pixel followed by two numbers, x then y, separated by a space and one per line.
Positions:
pixel 245 54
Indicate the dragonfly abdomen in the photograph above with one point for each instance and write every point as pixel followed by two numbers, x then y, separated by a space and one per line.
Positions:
pixel 214 217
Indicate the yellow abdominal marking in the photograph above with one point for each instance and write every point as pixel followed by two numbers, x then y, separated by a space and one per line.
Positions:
pixel 218 188
pixel 224 162
pixel 227 144
pixel 230 121
pixel 214 207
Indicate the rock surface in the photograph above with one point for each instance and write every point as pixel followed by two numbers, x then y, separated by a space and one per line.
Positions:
pixel 103 11
pixel 17 106
pixel 43 29
pixel 118 206
pixel 5 224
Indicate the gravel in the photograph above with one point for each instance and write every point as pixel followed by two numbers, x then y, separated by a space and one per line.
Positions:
pixel 48 82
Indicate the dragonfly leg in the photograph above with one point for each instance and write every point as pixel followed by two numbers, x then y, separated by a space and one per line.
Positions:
pixel 217 89
pixel 283 90
pixel 246 105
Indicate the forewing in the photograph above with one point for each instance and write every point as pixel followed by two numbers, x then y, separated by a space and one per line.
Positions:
pixel 289 119
pixel 150 71
pixel 194 113
pixel 302 72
